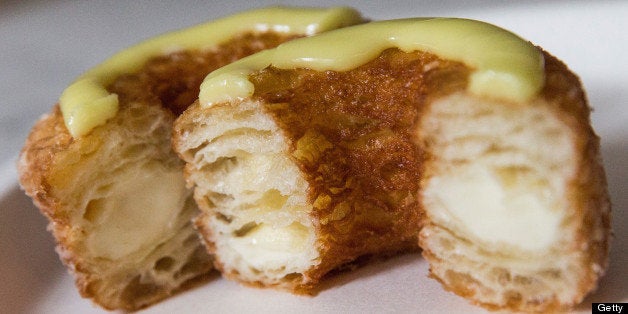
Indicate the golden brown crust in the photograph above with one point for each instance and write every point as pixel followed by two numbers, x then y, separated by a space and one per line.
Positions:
pixel 48 136
pixel 171 81
pixel 175 78
pixel 351 135
pixel 588 191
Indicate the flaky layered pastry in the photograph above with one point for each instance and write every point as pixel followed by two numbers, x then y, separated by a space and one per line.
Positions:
pixel 291 189
pixel 101 168
pixel 357 141
pixel 515 197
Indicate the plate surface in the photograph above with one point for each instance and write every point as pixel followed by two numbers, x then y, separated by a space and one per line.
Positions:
pixel 45 44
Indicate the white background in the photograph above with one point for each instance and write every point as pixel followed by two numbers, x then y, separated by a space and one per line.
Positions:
pixel 44 45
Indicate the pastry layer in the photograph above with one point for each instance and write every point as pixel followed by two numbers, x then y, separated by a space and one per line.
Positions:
pixel 114 192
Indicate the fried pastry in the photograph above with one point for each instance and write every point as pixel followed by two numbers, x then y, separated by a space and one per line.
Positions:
pixel 101 168
pixel 359 141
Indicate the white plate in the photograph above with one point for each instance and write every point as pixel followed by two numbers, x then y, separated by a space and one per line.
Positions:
pixel 589 36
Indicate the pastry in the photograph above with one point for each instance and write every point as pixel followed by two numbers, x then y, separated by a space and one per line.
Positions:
pixel 359 141
pixel 101 168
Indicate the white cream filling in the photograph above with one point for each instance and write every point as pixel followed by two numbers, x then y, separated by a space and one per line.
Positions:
pixel 269 247
pixel 140 209
pixel 477 200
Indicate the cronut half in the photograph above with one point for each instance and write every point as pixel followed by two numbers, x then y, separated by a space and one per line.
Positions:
pixel 116 198
pixel 319 168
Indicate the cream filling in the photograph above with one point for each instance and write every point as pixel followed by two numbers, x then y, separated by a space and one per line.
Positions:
pixel 478 202
pixel 139 212
pixel 505 66
pixel 268 247
pixel 86 103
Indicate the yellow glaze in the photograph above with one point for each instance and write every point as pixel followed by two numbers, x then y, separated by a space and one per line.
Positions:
pixel 86 103
pixel 504 66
